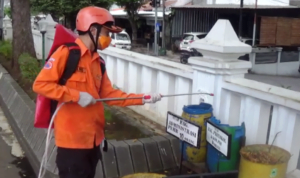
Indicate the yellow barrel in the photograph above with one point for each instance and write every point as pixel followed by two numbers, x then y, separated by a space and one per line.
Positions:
pixel 263 161
pixel 145 175
pixel 197 114
pixel 196 155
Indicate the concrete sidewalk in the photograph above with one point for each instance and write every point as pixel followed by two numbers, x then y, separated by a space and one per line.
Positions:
pixel 12 162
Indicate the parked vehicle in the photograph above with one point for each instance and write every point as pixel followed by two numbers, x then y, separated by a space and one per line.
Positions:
pixel 120 40
pixel 188 38
pixel 184 56
pixel 247 41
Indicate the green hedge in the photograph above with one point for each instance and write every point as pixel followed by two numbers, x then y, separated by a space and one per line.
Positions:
pixel 29 67
pixel 6 49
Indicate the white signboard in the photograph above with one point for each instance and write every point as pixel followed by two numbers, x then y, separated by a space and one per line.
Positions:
pixel 218 138
pixel 184 130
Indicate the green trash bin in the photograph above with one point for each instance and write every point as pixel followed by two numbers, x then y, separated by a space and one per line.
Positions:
pixel 216 162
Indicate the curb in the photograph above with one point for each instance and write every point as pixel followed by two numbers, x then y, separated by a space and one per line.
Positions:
pixel 153 154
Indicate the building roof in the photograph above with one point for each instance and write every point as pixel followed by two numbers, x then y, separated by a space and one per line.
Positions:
pixel 295 2
pixel 232 6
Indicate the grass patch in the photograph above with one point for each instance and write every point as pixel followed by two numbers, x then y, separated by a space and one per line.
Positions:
pixel 29 67
pixel 6 49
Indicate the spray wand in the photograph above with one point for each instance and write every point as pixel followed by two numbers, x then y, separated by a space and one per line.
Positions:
pixel 149 97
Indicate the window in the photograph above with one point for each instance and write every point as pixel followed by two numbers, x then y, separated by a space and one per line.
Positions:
pixel 188 37
pixel 248 42
pixel 122 36
pixel 201 36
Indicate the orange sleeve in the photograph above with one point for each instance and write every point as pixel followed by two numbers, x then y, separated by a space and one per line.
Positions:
pixel 46 82
pixel 107 91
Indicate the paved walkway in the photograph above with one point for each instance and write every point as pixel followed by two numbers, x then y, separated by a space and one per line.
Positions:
pixel 12 162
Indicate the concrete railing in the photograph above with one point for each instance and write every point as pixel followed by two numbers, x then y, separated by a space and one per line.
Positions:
pixel 274 61
pixel 266 111
pixel 236 99
pixel 138 73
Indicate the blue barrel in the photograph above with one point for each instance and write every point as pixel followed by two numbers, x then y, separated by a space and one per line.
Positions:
pixel 197 114
pixel 216 162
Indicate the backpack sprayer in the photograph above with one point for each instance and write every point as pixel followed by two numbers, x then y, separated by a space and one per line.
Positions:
pixel 44 161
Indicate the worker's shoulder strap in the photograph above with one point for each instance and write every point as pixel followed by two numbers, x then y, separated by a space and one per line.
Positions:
pixel 72 62
pixel 70 68
pixel 102 65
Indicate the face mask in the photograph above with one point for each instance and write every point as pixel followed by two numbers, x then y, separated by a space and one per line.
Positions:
pixel 104 42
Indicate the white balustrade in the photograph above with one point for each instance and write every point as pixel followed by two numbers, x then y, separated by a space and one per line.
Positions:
pixel 250 102
pixel 138 73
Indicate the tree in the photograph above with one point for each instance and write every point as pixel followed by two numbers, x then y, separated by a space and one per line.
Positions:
pixel 7 11
pixel 66 8
pixel 22 33
pixel 131 7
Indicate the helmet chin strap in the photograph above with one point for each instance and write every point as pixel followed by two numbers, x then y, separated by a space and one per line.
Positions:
pixel 97 37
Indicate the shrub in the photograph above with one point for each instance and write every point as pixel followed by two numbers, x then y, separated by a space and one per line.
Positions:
pixel 7 11
pixel 29 67
pixel 6 49
pixel 107 115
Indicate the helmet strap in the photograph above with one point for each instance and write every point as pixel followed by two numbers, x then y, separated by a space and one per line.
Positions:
pixel 97 37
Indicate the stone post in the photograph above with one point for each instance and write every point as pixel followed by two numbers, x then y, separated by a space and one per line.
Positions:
pixel 51 25
pixel 50 32
pixel 220 49
pixel 279 52
pixel 7 28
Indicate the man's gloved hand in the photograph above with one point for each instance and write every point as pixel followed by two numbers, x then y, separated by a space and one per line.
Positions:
pixel 86 99
pixel 151 98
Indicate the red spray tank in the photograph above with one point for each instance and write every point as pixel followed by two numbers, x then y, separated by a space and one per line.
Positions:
pixel 42 112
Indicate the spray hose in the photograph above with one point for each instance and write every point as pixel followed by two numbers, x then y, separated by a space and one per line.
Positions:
pixel 44 160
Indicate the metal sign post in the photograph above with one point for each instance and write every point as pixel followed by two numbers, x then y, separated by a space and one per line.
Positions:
pixel 1 19
pixel 254 24
pixel 241 18
pixel 155 31
pixel 163 26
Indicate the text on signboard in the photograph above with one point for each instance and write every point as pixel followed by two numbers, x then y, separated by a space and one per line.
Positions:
pixel 181 127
